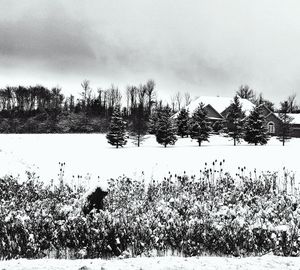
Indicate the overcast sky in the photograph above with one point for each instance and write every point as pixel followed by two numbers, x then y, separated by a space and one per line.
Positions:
pixel 205 47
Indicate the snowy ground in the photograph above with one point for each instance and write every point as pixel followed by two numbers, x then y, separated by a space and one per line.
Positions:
pixel 155 263
pixel 91 154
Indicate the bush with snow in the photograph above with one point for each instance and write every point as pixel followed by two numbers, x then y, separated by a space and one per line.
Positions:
pixel 184 215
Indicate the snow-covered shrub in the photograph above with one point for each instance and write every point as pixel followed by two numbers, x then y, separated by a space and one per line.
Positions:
pixel 215 214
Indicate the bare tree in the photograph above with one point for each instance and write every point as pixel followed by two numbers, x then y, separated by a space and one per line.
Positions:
pixel 292 106
pixel 128 98
pixel 9 97
pixel 3 99
pixel 261 100
pixel 187 98
pixel 57 98
pixel 114 96
pixel 86 93
pixel 150 94
pixel 71 102
pixel 21 93
pixel 245 92
pixel 131 94
pixel 142 90
pixel 173 102
pixel 178 100
pixel 100 96
pixel 86 96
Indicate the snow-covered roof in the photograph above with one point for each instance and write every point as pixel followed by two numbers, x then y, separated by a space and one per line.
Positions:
pixel 295 117
pixel 219 103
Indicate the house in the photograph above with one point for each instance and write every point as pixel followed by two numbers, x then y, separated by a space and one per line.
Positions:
pixel 295 123
pixel 273 122
pixel 217 109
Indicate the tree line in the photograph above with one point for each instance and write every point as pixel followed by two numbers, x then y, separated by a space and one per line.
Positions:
pixel 246 92
pixel 37 109
pixel 198 126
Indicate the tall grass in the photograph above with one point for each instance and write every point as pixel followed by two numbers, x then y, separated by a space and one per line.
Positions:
pixel 213 213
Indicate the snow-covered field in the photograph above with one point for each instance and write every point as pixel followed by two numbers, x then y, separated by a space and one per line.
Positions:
pixel 90 154
pixel 155 263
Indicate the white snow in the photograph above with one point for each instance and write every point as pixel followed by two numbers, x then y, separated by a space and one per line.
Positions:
pixel 219 103
pixel 295 117
pixel 102 184
pixel 90 156
pixel 156 263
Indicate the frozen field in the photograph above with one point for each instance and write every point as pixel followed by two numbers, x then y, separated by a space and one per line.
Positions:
pixel 206 263
pixel 90 154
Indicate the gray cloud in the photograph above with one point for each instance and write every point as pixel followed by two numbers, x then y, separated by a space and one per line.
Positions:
pixel 206 47
pixel 49 41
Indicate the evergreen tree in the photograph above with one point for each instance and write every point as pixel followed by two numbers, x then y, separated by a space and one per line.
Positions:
pixel 234 120
pixel 155 115
pixel 199 125
pixel 182 122
pixel 165 128
pixel 284 133
pixel 255 129
pixel 152 126
pixel 139 126
pixel 218 126
pixel 117 132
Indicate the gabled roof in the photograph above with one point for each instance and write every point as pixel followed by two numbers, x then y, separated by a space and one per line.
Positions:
pixel 219 103
pixel 217 116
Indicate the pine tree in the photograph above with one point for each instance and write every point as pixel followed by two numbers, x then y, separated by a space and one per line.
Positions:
pixel 165 128
pixel 200 126
pixel 153 119
pixel 117 131
pixel 234 120
pixel 284 133
pixel 139 126
pixel 182 122
pixel 255 129
pixel 218 126
pixel 152 125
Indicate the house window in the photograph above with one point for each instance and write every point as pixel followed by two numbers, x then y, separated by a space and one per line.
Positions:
pixel 271 127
